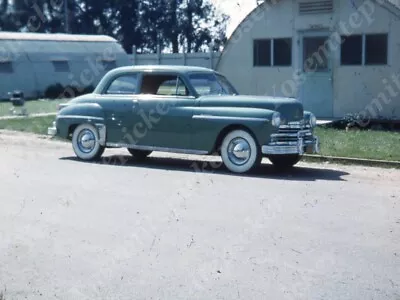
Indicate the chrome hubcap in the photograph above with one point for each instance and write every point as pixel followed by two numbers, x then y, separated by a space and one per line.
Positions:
pixel 86 141
pixel 239 151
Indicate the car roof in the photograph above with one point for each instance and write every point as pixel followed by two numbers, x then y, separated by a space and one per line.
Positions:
pixel 162 68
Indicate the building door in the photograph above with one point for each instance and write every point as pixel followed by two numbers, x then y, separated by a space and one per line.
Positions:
pixel 316 93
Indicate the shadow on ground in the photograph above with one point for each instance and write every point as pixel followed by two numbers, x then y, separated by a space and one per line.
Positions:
pixel 298 173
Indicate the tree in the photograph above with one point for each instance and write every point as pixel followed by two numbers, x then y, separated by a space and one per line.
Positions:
pixel 160 24
pixel 126 15
pixel 202 24
pixel 4 16
pixel 177 25
pixel 188 25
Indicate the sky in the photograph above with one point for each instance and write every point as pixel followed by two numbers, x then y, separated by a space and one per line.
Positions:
pixel 236 9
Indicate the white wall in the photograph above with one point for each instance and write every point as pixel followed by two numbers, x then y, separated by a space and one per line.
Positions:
pixel 357 87
pixel 201 59
pixel 276 22
pixel 354 87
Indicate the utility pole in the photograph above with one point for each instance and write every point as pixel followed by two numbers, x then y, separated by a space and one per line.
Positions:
pixel 66 15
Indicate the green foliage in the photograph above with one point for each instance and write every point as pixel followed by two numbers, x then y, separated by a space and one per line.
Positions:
pixel 188 25
pixel 173 24
pixel 37 125
pixel 43 106
pixel 360 144
pixel 58 91
pixel 54 91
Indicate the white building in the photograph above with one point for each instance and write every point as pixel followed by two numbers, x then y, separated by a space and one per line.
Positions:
pixel 31 62
pixel 337 57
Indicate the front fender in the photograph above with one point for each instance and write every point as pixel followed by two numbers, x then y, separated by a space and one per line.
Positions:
pixel 76 114
pixel 209 123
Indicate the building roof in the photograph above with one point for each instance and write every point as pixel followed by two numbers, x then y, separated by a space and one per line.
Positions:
pixel 395 3
pixel 28 36
pixel 174 68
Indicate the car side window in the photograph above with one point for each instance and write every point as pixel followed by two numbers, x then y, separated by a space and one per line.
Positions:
pixel 125 85
pixel 165 85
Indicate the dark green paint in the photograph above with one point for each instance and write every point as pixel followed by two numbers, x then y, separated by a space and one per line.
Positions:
pixel 191 122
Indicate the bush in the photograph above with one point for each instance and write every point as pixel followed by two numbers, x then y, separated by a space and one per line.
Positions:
pixel 89 89
pixel 54 91
pixel 57 90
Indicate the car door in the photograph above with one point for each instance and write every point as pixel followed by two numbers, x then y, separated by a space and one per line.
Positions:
pixel 120 103
pixel 165 110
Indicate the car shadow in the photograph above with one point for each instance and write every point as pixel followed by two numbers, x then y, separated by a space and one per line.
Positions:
pixel 265 170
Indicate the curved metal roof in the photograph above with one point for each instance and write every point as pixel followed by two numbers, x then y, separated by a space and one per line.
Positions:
pixel 395 3
pixel 391 5
pixel 28 36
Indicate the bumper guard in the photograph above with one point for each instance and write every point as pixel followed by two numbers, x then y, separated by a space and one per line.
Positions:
pixel 52 131
pixel 305 144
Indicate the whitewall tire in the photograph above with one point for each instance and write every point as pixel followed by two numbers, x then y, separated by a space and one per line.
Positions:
pixel 240 152
pixel 85 142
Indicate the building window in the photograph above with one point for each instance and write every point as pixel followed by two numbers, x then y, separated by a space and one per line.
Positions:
pixel 376 49
pixel 262 53
pixel 369 49
pixel 316 54
pixel 352 50
pixel 282 52
pixel 6 67
pixel 61 66
pixel 273 52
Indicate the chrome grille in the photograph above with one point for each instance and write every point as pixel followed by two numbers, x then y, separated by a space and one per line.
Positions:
pixel 291 133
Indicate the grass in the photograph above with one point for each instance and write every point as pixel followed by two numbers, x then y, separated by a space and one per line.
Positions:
pixel 378 145
pixel 37 125
pixel 33 107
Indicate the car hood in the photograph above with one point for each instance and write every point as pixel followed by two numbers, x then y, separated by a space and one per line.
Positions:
pixel 289 108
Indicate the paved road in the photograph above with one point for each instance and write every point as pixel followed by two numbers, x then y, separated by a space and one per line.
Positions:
pixel 73 230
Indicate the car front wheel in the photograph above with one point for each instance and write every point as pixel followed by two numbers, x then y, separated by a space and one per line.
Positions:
pixel 85 142
pixel 285 161
pixel 139 154
pixel 240 152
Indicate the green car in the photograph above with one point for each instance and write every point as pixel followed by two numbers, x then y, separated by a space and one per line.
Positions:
pixel 187 110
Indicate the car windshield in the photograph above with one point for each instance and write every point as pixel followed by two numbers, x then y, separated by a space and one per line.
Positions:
pixel 211 84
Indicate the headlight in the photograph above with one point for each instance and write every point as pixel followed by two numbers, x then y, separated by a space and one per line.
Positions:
pixel 313 120
pixel 276 119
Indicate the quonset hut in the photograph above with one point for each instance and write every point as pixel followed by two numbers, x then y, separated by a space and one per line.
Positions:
pixel 35 63
pixel 337 56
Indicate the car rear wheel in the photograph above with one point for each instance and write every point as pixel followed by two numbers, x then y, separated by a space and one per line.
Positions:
pixel 285 161
pixel 240 151
pixel 85 142
pixel 139 154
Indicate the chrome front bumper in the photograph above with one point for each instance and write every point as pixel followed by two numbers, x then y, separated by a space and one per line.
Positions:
pixel 52 131
pixel 302 142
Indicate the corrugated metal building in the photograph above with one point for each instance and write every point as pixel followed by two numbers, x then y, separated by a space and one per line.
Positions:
pixel 337 56
pixel 31 62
